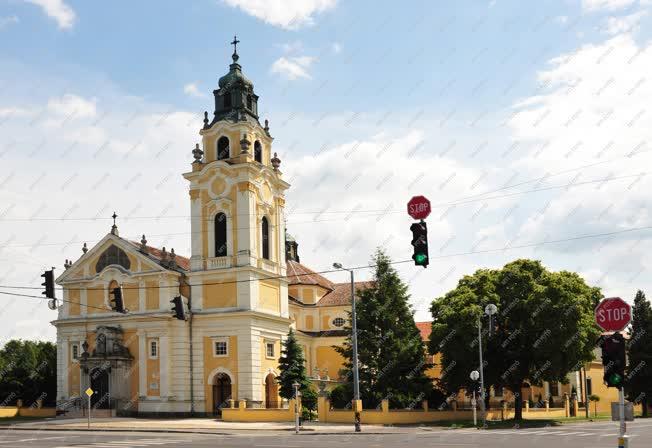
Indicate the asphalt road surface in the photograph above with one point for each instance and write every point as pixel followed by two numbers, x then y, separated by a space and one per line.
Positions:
pixel 593 435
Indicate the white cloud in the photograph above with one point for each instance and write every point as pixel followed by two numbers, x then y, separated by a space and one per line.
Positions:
pixel 9 20
pixel 288 14
pixel 606 5
pixel 58 10
pixel 191 89
pixel 293 67
pixel 73 106
pixel 625 24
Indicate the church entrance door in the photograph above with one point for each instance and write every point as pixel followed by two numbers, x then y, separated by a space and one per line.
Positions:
pixel 221 393
pixel 100 385
pixel 271 392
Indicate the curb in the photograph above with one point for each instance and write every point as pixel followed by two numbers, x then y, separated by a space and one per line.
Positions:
pixel 306 431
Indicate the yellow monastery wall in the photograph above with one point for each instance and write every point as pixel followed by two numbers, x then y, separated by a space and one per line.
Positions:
pixel 130 339
pixel 151 295
pixel 130 296
pixel 74 301
pixel 269 296
pixel 222 295
pixel 95 299
pixel 607 395
pixel 328 358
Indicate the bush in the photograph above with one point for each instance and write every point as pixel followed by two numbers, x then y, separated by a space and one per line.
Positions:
pixel 341 396
pixel 309 399
pixel 436 399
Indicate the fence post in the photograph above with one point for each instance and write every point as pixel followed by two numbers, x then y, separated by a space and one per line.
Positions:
pixel 384 406
pixel 424 405
pixel 566 406
pixel 242 405
pixel 547 403
pixel 527 405
pixel 454 405
pixel 323 406
pixel 504 410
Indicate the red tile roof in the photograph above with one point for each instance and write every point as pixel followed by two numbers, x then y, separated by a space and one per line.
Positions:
pixel 341 294
pixel 157 255
pixel 299 274
pixel 425 328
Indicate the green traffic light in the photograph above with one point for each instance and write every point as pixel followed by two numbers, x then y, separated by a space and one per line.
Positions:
pixel 420 258
pixel 615 378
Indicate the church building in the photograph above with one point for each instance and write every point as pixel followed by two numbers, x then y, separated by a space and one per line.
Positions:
pixel 243 288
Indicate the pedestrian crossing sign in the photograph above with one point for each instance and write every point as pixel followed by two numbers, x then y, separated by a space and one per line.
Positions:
pixel 89 391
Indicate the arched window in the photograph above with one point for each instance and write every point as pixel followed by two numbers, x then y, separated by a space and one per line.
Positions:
pixel 113 255
pixel 265 232
pixel 250 103
pixel 258 152
pixel 223 148
pixel 220 235
pixel 227 100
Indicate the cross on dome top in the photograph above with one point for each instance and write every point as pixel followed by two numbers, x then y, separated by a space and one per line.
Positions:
pixel 235 48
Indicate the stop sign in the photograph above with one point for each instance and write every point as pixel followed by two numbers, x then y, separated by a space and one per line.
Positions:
pixel 613 314
pixel 418 207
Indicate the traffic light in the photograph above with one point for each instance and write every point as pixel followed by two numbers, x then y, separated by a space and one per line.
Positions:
pixel 614 359
pixel 117 302
pixel 178 309
pixel 48 283
pixel 420 243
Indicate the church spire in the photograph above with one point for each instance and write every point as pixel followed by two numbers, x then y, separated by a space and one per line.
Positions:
pixel 235 99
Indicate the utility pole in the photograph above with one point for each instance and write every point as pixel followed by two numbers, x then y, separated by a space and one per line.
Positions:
pixel 482 404
pixel 354 343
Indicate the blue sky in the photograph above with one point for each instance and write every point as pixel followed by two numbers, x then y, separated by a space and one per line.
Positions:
pixel 543 104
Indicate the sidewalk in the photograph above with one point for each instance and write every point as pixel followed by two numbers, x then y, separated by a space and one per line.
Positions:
pixel 196 425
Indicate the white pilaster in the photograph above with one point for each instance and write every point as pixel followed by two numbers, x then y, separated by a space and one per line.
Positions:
pixel 164 369
pixel 249 374
pixel 142 364
pixel 83 299
pixel 142 291
pixel 196 234
pixel 247 288
pixel 246 248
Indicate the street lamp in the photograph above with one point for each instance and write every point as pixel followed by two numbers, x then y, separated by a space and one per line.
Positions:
pixel 474 377
pixel 296 407
pixel 489 310
pixel 354 343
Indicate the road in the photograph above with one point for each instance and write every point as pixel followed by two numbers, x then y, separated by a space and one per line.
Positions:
pixel 593 435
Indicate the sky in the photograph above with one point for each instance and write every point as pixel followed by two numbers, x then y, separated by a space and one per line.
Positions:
pixel 526 124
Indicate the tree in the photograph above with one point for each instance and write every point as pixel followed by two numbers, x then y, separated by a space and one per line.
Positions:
pixel 544 327
pixel 594 398
pixel 292 368
pixel 28 372
pixel 639 372
pixel 390 350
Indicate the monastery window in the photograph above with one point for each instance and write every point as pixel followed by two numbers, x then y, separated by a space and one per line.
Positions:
pixel 250 103
pixel 269 350
pixel 221 347
pixel 589 387
pixel 265 237
pixel 113 255
pixel 227 99
pixel 75 351
pixel 153 349
pixel 258 152
pixel 223 148
pixel 338 322
pixel 554 389
pixel 220 235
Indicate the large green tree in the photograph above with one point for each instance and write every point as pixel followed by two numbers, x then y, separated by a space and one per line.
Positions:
pixel 639 371
pixel 390 350
pixel 292 368
pixel 28 371
pixel 544 327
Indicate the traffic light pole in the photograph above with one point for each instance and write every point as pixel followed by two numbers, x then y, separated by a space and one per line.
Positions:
pixel 622 438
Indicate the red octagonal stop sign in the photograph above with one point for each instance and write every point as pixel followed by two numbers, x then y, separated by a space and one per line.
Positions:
pixel 418 207
pixel 613 314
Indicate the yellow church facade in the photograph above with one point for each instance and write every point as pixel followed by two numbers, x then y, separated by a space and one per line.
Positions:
pixel 243 287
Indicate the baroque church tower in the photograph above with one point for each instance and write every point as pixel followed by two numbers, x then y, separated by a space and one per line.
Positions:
pixel 237 264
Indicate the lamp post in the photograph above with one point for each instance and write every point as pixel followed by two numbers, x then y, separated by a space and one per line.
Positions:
pixel 489 310
pixel 474 377
pixel 296 407
pixel 354 343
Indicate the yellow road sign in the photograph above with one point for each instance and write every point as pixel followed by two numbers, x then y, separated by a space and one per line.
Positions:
pixel 89 391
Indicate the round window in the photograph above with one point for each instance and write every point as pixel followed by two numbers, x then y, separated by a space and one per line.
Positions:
pixel 338 322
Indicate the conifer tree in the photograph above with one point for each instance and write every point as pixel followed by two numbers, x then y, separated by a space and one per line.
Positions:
pixel 292 368
pixel 639 372
pixel 390 350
